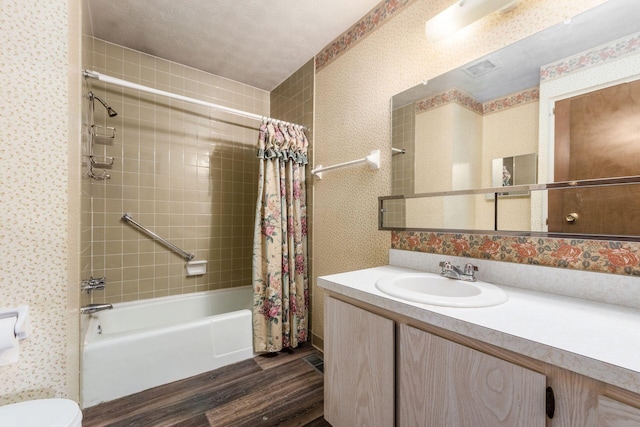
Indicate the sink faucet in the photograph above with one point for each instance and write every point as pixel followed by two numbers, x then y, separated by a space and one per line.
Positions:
pixel 92 308
pixel 456 272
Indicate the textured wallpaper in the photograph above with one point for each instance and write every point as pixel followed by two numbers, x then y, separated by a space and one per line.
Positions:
pixel 353 93
pixel 38 243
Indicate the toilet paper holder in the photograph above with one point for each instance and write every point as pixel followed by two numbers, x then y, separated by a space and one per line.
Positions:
pixel 21 328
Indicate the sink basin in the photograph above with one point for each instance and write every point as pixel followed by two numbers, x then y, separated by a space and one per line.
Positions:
pixel 429 288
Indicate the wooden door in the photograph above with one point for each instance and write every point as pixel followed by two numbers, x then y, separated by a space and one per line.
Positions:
pixel 358 367
pixel 597 135
pixel 442 383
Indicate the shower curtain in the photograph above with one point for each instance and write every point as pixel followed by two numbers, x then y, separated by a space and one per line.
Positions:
pixel 280 279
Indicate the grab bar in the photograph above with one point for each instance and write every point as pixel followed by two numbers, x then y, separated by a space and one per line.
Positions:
pixel 186 255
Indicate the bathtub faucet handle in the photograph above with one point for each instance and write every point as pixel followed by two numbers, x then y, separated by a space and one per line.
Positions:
pixel 93 284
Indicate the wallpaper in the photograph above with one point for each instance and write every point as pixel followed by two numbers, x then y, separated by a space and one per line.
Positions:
pixel 39 154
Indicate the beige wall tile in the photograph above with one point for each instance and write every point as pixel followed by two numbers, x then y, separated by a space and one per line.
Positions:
pixel 162 177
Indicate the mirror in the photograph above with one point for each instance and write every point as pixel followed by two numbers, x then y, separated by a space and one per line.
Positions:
pixel 446 132
pixel 514 170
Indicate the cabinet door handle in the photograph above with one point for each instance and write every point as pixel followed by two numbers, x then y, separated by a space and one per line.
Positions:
pixel 551 403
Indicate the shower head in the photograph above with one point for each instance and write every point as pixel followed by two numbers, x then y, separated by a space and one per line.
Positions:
pixel 110 111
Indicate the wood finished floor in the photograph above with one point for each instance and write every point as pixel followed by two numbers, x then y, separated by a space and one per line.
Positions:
pixel 280 390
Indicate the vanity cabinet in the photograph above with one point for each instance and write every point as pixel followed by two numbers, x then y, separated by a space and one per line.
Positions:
pixel 358 367
pixel 442 383
pixel 429 376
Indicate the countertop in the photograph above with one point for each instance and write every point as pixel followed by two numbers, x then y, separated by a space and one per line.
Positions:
pixel 598 340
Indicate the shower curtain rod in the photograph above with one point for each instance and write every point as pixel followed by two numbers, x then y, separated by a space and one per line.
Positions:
pixel 108 79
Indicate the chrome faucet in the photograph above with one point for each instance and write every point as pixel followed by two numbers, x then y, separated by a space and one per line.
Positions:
pixel 93 308
pixel 93 284
pixel 451 271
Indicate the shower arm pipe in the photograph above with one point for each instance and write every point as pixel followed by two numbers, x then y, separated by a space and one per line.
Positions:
pixel 373 160
pixel 124 83
pixel 186 255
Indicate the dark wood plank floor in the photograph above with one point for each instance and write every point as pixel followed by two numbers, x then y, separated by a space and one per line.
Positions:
pixel 283 389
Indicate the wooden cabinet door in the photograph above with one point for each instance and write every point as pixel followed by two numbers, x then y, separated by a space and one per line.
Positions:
pixel 441 383
pixel 358 367
pixel 576 398
pixel 612 413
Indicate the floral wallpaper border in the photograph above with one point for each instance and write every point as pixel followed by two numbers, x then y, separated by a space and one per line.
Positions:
pixel 612 51
pixel 615 257
pixel 452 95
pixel 465 100
pixel 513 100
pixel 368 24
pixel 387 8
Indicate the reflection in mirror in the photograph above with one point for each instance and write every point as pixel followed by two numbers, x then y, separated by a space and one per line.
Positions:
pixel 514 170
pixel 606 122
pixel 595 204
pixel 611 210
pixel 446 132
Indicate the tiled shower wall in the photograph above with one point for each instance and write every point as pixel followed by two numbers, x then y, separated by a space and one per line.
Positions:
pixel 186 172
pixel 85 181
pixel 403 123
pixel 292 101
pixel 403 128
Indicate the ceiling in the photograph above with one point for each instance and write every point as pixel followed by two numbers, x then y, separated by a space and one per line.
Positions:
pixel 259 43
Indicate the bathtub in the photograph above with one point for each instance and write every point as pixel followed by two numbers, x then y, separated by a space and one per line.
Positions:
pixel 142 344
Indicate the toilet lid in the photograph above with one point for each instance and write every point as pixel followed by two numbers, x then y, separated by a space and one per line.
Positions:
pixel 41 413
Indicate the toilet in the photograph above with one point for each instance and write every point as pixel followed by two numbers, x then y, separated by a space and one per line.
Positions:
pixel 41 413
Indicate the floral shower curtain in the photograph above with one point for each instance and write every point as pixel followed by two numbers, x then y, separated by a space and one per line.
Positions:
pixel 280 280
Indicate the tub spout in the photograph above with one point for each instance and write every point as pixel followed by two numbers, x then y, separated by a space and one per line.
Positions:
pixel 92 308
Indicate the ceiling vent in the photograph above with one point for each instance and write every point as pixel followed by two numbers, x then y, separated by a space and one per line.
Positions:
pixel 481 68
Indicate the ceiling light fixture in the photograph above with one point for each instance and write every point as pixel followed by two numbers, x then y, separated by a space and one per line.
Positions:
pixel 461 14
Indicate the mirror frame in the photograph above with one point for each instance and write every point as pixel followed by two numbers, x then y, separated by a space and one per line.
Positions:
pixel 553 186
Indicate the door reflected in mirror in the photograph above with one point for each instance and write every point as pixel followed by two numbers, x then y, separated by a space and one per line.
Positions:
pixel 597 135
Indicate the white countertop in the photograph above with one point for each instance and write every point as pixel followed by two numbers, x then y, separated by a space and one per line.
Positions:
pixel 598 340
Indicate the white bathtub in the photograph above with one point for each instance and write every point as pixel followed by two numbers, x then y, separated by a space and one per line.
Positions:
pixel 142 344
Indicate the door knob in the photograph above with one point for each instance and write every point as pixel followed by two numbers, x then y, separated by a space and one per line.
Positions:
pixel 572 217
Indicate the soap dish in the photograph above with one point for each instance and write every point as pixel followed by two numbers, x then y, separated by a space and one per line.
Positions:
pixel 196 268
